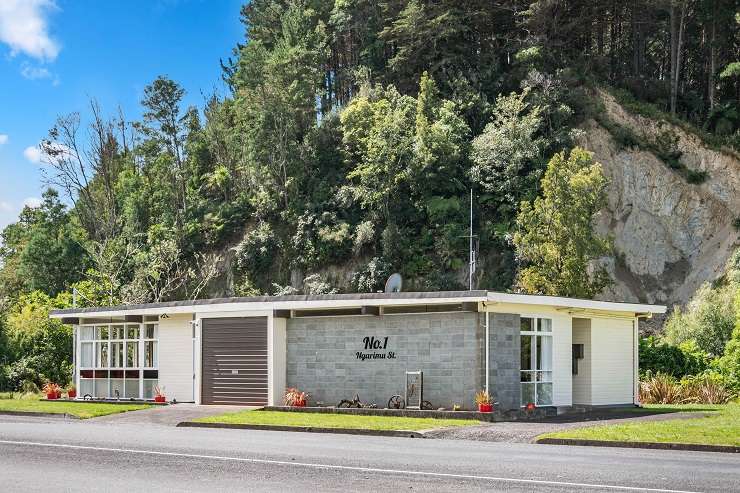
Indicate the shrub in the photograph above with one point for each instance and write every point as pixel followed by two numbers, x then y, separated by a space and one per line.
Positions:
pixel 660 357
pixel 660 389
pixel 696 177
pixel 707 388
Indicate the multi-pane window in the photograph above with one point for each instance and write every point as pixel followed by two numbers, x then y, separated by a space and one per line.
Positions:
pixel 118 360
pixel 536 360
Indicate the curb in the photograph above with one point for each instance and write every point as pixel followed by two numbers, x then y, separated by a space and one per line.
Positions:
pixel 304 429
pixel 647 445
pixel 40 415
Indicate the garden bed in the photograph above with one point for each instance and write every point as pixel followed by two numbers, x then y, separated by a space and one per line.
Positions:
pixel 496 415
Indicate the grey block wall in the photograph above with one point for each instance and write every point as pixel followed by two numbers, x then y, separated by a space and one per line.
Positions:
pixel 505 354
pixel 448 347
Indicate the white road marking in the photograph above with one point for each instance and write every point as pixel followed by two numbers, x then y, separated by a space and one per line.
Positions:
pixel 343 468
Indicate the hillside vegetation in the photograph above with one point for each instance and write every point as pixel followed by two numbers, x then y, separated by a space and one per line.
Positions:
pixel 346 147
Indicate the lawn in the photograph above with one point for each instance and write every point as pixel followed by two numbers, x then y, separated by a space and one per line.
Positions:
pixel 82 410
pixel 322 420
pixel 721 428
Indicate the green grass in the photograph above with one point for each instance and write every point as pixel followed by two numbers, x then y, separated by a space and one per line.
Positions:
pixel 82 410
pixel 721 428
pixel 321 420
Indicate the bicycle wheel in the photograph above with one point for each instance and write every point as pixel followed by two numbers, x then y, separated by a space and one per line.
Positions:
pixel 344 403
pixel 426 405
pixel 396 402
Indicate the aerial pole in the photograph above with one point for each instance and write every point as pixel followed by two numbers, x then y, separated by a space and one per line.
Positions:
pixel 471 254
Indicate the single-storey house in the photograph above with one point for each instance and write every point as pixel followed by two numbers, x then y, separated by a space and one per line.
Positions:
pixel 546 350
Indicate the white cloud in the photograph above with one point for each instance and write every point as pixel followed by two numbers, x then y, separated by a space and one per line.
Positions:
pixel 23 27
pixel 33 154
pixel 3 139
pixel 32 202
pixel 32 72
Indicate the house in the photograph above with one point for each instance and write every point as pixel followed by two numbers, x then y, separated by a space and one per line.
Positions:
pixel 546 350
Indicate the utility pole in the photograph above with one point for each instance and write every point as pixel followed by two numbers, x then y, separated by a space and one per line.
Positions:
pixel 471 252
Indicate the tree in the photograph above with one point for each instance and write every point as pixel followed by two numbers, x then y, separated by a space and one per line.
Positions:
pixel 506 155
pixel 555 239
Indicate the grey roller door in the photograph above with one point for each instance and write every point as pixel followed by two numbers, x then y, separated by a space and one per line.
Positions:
pixel 234 361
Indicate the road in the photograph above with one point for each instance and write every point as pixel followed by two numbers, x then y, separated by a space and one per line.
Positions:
pixel 67 455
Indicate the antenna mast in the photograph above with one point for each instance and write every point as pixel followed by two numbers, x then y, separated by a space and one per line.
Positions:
pixel 472 249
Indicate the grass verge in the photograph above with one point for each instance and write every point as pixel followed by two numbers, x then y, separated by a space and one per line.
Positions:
pixel 721 428
pixel 322 420
pixel 82 410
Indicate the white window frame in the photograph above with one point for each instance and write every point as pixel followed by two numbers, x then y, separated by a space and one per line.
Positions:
pixel 536 335
pixel 106 365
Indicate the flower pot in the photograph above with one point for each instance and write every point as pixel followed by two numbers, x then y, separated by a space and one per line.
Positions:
pixel 59 394
pixel 51 396
pixel 160 398
pixel 485 408
pixel 530 406
pixel 71 394
pixel 299 404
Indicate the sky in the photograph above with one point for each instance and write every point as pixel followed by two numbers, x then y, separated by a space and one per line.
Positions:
pixel 57 54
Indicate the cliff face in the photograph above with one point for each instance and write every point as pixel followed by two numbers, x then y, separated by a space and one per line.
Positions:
pixel 670 236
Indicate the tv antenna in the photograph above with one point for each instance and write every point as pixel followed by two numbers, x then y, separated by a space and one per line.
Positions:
pixel 394 283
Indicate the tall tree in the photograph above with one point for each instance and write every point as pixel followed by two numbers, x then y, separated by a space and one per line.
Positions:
pixel 555 240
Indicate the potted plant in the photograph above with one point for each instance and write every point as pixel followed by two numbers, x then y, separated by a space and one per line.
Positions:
pixel 484 401
pixel 530 406
pixel 52 390
pixel 159 395
pixel 71 392
pixel 295 398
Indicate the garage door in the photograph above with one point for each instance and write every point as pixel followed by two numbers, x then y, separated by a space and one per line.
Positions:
pixel 235 361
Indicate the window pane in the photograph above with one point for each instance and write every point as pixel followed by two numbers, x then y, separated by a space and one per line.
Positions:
pixel 544 394
pixel 150 331
pixel 526 324
pixel 86 333
pixel 544 353
pixel 132 354
pixel 102 355
pixel 116 388
pixel 116 354
pixel 527 376
pixel 116 332
pixel 527 393
pixel 149 388
pixel 101 332
pixel 526 359
pixel 132 332
pixel 132 388
pixel 544 325
pixel 150 354
pixel 101 388
pixel 86 354
pixel 86 387
pixel 544 376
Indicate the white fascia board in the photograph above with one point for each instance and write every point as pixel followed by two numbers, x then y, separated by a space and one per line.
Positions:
pixel 574 303
pixel 271 305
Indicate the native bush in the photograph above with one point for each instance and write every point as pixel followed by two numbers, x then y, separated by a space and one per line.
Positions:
pixel 657 356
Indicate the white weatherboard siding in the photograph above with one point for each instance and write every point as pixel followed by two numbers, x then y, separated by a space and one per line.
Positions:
pixel 582 381
pixel 612 361
pixel 176 357
pixel 562 352
pixel 276 355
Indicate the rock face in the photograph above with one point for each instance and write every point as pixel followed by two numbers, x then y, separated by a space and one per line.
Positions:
pixel 670 236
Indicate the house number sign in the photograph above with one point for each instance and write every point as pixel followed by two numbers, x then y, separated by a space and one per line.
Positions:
pixel 374 348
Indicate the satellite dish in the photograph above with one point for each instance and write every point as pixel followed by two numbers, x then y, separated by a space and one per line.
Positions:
pixel 394 283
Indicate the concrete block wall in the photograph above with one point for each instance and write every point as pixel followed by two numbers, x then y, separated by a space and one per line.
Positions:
pixel 447 347
pixel 505 354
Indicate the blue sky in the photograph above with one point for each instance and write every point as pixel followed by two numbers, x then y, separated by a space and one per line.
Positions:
pixel 55 54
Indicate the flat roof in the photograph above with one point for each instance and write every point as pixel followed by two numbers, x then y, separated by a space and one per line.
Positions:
pixel 318 301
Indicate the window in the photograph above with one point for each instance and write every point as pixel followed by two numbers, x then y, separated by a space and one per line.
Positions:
pixel 536 360
pixel 113 358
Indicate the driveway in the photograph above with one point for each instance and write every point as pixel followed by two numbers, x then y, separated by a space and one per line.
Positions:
pixel 167 415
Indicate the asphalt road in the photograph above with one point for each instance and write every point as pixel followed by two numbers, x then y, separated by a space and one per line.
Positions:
pixel 65 455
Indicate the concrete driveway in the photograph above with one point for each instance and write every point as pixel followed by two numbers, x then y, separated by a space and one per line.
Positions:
pixel 167 415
